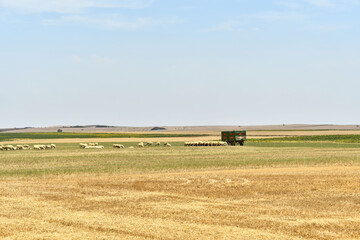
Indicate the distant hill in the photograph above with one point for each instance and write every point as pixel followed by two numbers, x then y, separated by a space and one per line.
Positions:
pixel 158 128
pixel 13 129
pixel 115 129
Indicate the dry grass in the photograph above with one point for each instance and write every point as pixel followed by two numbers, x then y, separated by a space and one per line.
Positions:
pixel 250 192
pixel 106 140
pixel 287 203
pixel 70 159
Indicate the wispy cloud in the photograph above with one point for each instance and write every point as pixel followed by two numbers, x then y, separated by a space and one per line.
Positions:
pixel 321 3
pixel 70 6
pixel 288 4
pixel 104 21
pixel 329 27
pixel 78 12
pixel 101 60
pixel 76 58
pixel 226 26
pixel 92 59
pixel 329 4
pixel 273 16
pixel 248 22
pixel 111 21
pixel 334 5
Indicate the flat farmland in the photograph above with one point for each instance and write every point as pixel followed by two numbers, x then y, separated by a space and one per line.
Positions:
pixel 68 158
pixel 266 203
pixel 263 190
pixel 172 136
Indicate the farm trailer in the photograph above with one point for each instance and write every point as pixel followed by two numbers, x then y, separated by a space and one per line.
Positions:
pixel 234 137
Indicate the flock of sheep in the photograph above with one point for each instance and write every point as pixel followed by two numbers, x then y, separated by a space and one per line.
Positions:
pixel 166 144
pixel 202 144
pixel 91 146
pixel 151 144
pixel 97 146
pixel 82 145
pixel 140 145
pixel 26 147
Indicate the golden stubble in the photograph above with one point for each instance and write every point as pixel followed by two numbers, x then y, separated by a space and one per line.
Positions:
pixel 268 203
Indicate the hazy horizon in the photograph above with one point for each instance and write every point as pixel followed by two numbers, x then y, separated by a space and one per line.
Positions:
pixel 161 63
pixel 217 125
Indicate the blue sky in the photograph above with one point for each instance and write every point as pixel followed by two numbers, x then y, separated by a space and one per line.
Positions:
pixel 200 62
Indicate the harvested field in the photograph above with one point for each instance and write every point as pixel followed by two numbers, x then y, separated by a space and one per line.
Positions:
pixel 263 190
pixel 284 203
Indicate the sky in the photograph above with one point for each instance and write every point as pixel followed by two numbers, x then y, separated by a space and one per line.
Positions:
pixel 174 63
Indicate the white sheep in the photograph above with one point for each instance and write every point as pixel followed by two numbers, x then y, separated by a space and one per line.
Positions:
pixel 94 147
pixel 224 144
pixel 141 144
pixel 19 147
pixel 9 147
pixel 53 146
pixel 42 147
pixel 83 145
pixel 37 147
pixel 158 144
pixel 208 143
pixel 149 144
pixel 167 145
pixel 118 146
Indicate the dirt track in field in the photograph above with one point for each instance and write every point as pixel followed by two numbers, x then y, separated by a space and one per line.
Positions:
pixel 286 203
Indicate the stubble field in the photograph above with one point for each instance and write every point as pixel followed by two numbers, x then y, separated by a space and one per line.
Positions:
pixel 264 190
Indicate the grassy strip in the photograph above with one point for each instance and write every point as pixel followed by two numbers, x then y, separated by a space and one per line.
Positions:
pixel 317 138
pixel 302 144
pixel 68 158
pixel 12 136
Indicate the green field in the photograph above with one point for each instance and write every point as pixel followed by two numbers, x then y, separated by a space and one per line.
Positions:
pixel 320 138
pixel 68 158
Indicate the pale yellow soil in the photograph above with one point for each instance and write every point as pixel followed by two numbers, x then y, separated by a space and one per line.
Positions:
pixel 268 203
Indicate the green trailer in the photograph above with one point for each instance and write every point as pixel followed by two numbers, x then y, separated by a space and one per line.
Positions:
pixel 234 137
